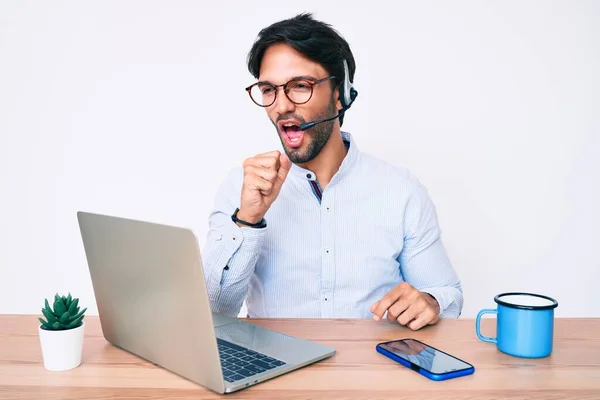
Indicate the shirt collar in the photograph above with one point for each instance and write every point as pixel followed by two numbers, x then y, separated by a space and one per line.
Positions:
pixel 347 163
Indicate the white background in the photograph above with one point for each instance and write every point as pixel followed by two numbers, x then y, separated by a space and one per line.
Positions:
pixel 138 109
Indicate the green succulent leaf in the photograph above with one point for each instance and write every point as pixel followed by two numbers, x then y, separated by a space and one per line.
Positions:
pixel 80 313
pixel 65 313
pixel 66 317
pixel 73 309
pixel 48 308
pixel 59 307
pixel 75 323
pixel 45 325
pixel 49 316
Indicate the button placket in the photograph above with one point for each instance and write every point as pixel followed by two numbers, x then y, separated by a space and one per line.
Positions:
pixel 328 256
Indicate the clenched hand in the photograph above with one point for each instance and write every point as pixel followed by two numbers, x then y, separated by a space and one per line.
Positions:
pixel 264 175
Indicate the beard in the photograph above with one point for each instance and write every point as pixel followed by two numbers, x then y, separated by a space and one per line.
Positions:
pixel 319 135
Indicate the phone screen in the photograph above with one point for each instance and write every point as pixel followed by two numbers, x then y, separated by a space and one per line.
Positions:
pixel 426 357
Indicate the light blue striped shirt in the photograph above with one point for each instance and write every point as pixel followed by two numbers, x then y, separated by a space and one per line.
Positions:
pixel 330 257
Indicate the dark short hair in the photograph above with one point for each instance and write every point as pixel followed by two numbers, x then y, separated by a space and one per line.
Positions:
pixel 316 40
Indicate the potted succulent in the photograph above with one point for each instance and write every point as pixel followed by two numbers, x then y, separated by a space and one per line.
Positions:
pixel 61 333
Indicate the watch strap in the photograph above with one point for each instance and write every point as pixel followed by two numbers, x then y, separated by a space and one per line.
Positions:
pixel 261 224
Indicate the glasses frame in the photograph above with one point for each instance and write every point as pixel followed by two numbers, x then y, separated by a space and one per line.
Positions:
pixel 312 84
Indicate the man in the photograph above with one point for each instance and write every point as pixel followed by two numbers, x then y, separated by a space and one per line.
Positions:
pixel 322 230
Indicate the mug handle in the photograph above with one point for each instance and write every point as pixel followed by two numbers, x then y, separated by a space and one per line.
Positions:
pixel 478 325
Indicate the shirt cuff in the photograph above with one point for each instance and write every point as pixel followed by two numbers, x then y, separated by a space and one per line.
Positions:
pixel 445 296
pixel 236 250
pixel 244 243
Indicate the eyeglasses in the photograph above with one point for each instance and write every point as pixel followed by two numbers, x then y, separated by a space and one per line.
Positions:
pixel 298 91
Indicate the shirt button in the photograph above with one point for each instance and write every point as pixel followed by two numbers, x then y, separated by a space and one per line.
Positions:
pixel 308 176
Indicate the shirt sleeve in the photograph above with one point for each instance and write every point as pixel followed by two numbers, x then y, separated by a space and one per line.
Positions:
pixel 424 262
pixel 230 252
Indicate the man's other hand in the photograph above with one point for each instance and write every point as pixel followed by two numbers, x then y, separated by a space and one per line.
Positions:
pixel 408 306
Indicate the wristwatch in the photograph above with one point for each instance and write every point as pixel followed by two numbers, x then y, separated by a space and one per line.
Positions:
pixel 261 224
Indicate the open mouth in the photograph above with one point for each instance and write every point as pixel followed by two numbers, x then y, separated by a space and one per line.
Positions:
pixel 292 133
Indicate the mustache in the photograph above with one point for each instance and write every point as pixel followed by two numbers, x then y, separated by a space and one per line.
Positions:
pixel 289 116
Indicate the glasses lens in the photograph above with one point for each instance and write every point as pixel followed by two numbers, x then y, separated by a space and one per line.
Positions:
pixel 299 91
pixel 263 94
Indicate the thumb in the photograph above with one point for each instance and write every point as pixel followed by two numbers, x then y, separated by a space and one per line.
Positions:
pixel 285 164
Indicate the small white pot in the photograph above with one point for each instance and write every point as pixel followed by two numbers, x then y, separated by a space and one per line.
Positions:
pixel 61 350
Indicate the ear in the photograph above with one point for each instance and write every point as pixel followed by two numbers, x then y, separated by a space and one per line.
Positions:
pixel 336 96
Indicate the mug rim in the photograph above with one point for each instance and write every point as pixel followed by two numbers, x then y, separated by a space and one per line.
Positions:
pixel 498 300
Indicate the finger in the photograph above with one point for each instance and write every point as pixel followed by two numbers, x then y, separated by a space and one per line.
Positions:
pixel 285 164
pixel 409 314
pixel 422 319
pixel 266 161
pixel 380 307
pixel 386 301
pixel 273 153
pixel 397 308
pixel 373 306
pixel 264 173
pixel 255 182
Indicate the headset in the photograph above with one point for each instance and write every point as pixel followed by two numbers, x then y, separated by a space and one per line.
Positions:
pixel 347 96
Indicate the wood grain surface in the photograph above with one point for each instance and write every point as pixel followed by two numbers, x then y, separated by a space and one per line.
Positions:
pixel 357 371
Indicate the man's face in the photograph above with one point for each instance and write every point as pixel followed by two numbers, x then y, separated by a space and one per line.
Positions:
pixel 280 64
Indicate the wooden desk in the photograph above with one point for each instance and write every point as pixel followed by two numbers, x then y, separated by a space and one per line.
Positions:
pixel 356 371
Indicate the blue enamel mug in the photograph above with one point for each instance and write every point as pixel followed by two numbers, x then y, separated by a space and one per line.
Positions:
pixel 524 324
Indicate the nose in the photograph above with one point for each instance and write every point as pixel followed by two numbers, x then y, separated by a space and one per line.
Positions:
pixel 283 105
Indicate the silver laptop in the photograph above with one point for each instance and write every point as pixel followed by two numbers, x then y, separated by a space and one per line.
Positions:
pixel 152 301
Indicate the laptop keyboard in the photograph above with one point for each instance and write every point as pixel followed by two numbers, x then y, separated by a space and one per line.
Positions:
pixel 238 362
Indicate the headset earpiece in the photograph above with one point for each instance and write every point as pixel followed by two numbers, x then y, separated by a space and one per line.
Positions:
pixel 347 92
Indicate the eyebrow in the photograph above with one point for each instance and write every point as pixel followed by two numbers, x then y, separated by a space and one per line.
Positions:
pixel 306 77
